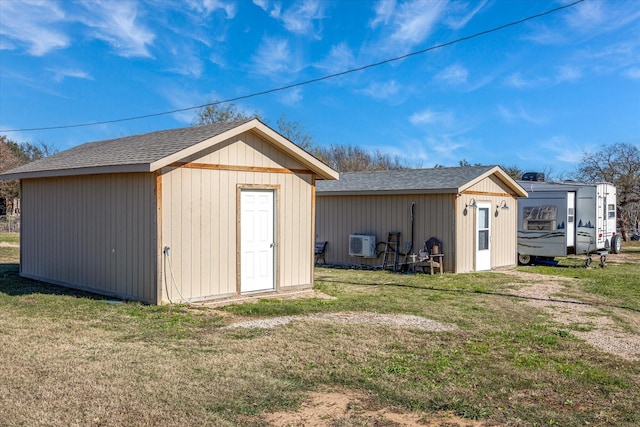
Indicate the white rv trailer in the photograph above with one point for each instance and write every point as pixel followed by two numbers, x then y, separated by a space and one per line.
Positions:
pixel 562 218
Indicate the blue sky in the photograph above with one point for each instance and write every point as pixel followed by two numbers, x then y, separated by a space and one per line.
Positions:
pixel 536 95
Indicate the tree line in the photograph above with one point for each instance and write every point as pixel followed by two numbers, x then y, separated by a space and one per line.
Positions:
pixel 618 164
pixel 14 154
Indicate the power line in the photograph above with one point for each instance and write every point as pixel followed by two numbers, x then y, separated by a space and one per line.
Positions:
pixel 306 82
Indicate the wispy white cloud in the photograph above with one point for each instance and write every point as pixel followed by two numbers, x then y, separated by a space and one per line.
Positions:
pixel 189 65
pixel 562 74
pixel 517 81
pixel 568 73
pixel 458 16
pixel 179 97
pixel 587 15
pixel 303 18
pixel 557 151
pixel 59 74
pixel 432 117
pixel 389 90
pixel 587 20
pixel 292 97
pixel 518 113
pixel 632 73
pixel 402 25
pixel 36 24
pixel 6 44
pixel 415 20
pixel 561 149
pixel 436 150
pixel 610 59
pixel 117 23
pixel 275 58
pixel 384 11
pixel 340 58
pixel 262 4
pixel 601 16
pixel 218 59
pixel 210 6
pixel 453 75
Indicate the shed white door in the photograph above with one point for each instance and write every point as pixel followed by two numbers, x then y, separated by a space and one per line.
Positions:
pixel 483 237
pixel 257 244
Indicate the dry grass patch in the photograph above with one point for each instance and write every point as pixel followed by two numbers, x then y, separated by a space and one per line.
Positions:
pixel 72 359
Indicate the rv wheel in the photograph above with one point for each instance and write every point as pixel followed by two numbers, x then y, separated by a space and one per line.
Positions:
pixel 616 244
pixel 524 259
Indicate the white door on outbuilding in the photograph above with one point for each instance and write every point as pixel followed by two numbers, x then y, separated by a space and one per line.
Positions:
pixel 483 236
pixel 257 243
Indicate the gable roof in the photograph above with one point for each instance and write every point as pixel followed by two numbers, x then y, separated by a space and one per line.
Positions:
pixel 415 181
pixel 152 151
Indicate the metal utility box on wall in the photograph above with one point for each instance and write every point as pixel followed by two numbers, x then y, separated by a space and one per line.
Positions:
pixel 362 245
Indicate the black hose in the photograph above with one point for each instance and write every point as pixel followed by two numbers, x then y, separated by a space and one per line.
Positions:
pixel 413 204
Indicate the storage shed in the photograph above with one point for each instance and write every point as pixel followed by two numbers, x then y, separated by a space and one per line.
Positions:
pixel 178 215
pixel 471 211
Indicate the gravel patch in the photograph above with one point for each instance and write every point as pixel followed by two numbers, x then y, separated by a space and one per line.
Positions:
pixel 399 320
pixel 604 333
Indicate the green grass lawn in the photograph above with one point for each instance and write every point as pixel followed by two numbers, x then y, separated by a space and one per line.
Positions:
pixel 72 358
pixel 10 237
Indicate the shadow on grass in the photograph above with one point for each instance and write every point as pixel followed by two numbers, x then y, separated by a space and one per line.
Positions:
pixel 480 292
pixel 13 285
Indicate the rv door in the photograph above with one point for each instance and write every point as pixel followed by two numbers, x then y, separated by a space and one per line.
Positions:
pixel 571 224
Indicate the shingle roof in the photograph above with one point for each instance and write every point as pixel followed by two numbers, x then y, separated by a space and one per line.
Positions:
pixel 406 180
pixel 131 150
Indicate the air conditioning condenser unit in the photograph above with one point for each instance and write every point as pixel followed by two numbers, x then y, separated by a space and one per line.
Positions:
pixel 362 245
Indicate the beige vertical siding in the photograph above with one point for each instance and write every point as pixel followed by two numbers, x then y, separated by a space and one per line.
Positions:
pixel 337 217
pixel 440 215
pixel 93 232
pixel 199 215
pixel 503 224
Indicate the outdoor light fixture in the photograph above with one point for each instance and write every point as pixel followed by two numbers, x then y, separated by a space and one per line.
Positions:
pixel 502 205
pixel 472 204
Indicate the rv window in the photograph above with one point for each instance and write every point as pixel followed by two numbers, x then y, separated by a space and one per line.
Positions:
pixel 612 211
pixel 570 215
pixel 538 218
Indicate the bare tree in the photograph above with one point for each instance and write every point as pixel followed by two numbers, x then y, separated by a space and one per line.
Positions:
pixel 9 190
pixel 218 113
pixel 513 171
pixel 343 158
pixel 13 154
pixel 295 132
pixel 618 164
pixel 347 158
